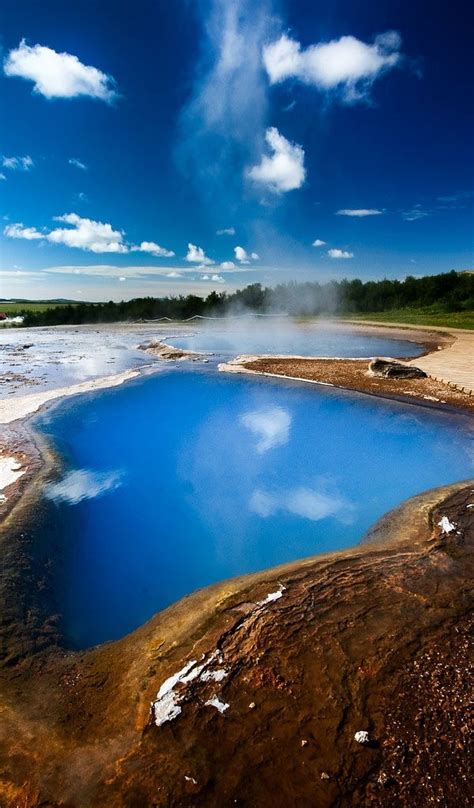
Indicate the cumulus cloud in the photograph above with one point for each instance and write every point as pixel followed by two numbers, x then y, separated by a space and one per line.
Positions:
pixel 18 231
pixel 74 161
pixel 174 274
pixel 226 231
pixel 359 212
pixel 283 169
pixel 337 253
pixel 18 163
pixel 58 75
pixel 196 255
pixel 241 255
pixel 227 265
pixel 153 249
pixel 87 234
pixel 347 64
pixel 318 243
pixel 271 427
pixel 217 278
pixel 244 257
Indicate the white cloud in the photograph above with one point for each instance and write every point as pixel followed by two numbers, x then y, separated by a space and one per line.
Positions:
pixel 217 278
pixel 318 243
pixel 87 234
pixel 359 212
pixel 346 64
pixel 196 255
pixel 18 231
pixel 227 265
pixel 241 255
pixel 74 161
pixel 58 75
pixel 244 257
pixel 111 271
pixel 271 427
pixel 174 274
pixel 414 214
pixel 336 253
pixel 18 163
pixel 283 170
pixel 226 231
pixel 122 278
pixel 154 249
pixel 2 176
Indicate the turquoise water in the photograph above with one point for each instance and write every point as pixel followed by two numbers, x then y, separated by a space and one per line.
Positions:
pixel 284 337
pixel 189 477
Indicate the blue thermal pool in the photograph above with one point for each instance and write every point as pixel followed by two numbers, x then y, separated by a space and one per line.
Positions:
pixel 188 477
pixel 282 336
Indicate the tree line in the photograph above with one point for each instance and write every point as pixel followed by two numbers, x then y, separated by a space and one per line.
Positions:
pixel 449 292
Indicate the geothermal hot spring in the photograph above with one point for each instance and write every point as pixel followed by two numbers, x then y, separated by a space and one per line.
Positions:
pixel 190 476
pixel 277 335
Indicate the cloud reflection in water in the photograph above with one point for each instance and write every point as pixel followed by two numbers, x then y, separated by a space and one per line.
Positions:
pixel 83 484
pixel 270 425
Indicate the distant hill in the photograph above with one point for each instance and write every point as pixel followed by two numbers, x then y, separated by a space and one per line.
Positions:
pixel 55 300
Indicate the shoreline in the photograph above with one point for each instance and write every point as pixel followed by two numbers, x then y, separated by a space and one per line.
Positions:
pixel 277 635
pixel 99 736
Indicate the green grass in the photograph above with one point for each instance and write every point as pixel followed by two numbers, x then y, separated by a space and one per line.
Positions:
pixel 456 319
pixel 18 308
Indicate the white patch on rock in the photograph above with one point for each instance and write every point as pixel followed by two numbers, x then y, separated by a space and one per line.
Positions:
pixel 214 676
pixel 167 705
pixel 272 596
pixel 362 736
pixel 446 526
pixel 218 704
pixel 10 472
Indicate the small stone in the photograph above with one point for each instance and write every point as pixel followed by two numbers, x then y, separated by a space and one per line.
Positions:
pixel 252 705
pixel 325 776
pixel 362 736
pixel 304 743
pixel 382 779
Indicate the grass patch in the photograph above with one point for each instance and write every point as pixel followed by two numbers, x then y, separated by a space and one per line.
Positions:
pixel 20 307
pixel 455 319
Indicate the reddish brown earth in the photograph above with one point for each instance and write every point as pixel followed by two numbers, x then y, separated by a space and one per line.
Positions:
pixel 373 638
pixel 352 374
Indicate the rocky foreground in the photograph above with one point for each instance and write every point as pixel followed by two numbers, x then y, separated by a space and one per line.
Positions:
pixel 339 681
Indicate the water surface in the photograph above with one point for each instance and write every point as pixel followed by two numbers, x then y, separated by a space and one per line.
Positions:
pixel 283 336
pixel 180 480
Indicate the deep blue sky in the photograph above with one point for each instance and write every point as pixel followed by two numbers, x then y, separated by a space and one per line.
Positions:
pixel 169 152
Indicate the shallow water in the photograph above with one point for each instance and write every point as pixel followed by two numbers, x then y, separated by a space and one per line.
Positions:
pixel 36 359
pixel 180 480
pixel 282 336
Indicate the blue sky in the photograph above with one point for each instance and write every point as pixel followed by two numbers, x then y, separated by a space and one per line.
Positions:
pixel 175 147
